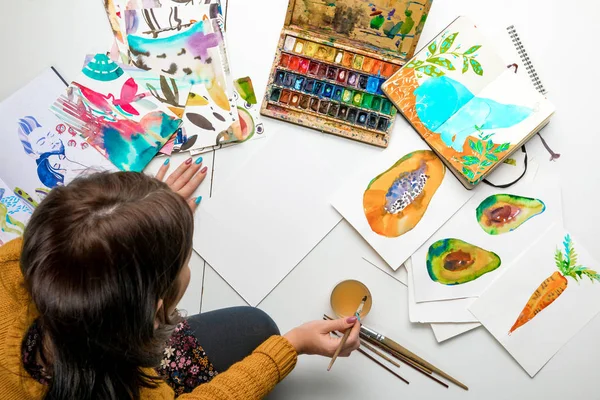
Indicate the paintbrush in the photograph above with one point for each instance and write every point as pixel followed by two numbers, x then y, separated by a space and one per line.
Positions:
pixel 347 333
pixel 370 357
pixel 392 345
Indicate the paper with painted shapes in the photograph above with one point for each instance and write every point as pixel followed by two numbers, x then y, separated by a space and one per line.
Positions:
pixel 445 311
pixel 544 298
pixel 400 199
pixel 249 125
pixel 38 150
pixel 116 116
pixel 114 11
pixel 188 43
pixel 465 256
pixel 493 110
pixel 14 214
pixel 443 332
pixel 169 91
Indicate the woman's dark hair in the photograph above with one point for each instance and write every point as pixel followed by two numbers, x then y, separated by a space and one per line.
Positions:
pixel 98 255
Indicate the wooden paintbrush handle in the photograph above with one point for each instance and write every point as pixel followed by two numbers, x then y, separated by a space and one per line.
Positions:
pixel 402 350
pixel 337 352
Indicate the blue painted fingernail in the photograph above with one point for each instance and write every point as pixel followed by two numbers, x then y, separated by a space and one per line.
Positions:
pixel 167 161
pixel 199 160
pixel 198 200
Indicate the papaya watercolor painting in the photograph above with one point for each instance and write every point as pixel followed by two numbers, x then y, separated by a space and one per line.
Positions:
pixel 396 200
pixel 455 262
pixel 555 285
pixel 503 213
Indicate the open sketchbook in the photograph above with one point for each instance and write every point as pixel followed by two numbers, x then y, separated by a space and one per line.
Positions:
pixel 467 102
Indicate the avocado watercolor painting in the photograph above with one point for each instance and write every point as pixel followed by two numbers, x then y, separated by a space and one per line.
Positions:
pixel 483 238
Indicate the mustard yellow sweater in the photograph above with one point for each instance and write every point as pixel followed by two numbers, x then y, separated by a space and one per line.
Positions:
pixel 252 378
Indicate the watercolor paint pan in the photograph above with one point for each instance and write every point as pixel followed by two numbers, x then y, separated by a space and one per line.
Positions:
pixel 327 75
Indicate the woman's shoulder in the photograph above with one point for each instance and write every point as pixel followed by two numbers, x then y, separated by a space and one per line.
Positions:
pixel 11 251
pixel 12 285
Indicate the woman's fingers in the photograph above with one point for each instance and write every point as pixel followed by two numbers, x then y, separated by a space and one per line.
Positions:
pixel 163 170
pixel 178 172
pixel 190 187
pixel 187 175
pixel 353 341
pixel 194 203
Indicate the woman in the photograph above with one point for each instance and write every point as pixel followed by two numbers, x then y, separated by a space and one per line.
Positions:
pixel 88 296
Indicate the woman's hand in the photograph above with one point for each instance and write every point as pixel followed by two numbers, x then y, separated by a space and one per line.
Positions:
pixel 314 337
pixel 185 180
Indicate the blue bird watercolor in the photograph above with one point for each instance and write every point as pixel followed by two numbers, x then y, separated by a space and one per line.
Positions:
pixel 447 107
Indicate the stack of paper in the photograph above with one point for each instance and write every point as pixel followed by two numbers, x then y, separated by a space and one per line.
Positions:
pixel 167 89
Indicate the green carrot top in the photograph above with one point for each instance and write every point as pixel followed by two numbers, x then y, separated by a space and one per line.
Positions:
pixel 567 263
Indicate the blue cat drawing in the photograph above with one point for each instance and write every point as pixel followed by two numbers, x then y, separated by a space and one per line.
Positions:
pixel 447 107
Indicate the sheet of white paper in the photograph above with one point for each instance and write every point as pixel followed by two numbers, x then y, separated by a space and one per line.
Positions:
pixel 274 210
pixel 449 197
pixel 14 214
pixel 38 151
pixel 535 342
pixel 443 332
pixel 437 311
pixel 465 227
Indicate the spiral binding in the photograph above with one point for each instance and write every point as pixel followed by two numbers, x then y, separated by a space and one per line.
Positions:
pixel 535 79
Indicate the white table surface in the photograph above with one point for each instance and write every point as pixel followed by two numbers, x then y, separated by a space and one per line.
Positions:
pixel 562 39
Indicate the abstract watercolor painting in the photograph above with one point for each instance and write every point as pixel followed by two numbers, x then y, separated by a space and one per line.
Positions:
pixel 188 44
pixel 461 259
pixel 534 327
pixel 14 214
pixel 38 150
pixel 392 26
pixel 459 95
pixel 396 200
pixel 115 115
pixel 503 213
pixel 400 199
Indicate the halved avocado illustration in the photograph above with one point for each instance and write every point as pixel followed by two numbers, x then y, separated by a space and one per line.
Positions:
pixel 396 200
pixel 503 213
pixel 454 262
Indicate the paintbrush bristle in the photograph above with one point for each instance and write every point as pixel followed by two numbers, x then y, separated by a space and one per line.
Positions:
pixel 365 298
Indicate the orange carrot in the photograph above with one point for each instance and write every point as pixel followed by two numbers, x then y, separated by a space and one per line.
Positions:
pixel 556 284
pixel 545 295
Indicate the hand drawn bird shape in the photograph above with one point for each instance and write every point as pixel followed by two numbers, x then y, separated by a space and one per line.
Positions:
pixel 128 95
pixel 447 107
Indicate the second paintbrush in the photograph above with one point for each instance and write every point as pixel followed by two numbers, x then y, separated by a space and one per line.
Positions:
pixel 347 333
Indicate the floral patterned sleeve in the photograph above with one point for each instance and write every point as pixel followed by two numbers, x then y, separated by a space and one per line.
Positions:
pixel 185 365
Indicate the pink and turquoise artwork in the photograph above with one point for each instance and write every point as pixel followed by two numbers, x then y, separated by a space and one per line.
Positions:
pixel 116 115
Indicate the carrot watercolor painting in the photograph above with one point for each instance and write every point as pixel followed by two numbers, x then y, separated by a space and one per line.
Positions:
pixel 544 298
pixel 554 286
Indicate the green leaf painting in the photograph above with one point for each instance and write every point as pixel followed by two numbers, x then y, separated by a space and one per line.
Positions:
pixel 502 148
pixel 432 47
pixel 430 70
pixel 442 62
pixel 473 49
pixel 447 43
pixel 483 155
pixel 414 63
pixel 442 57
pixel 476 67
